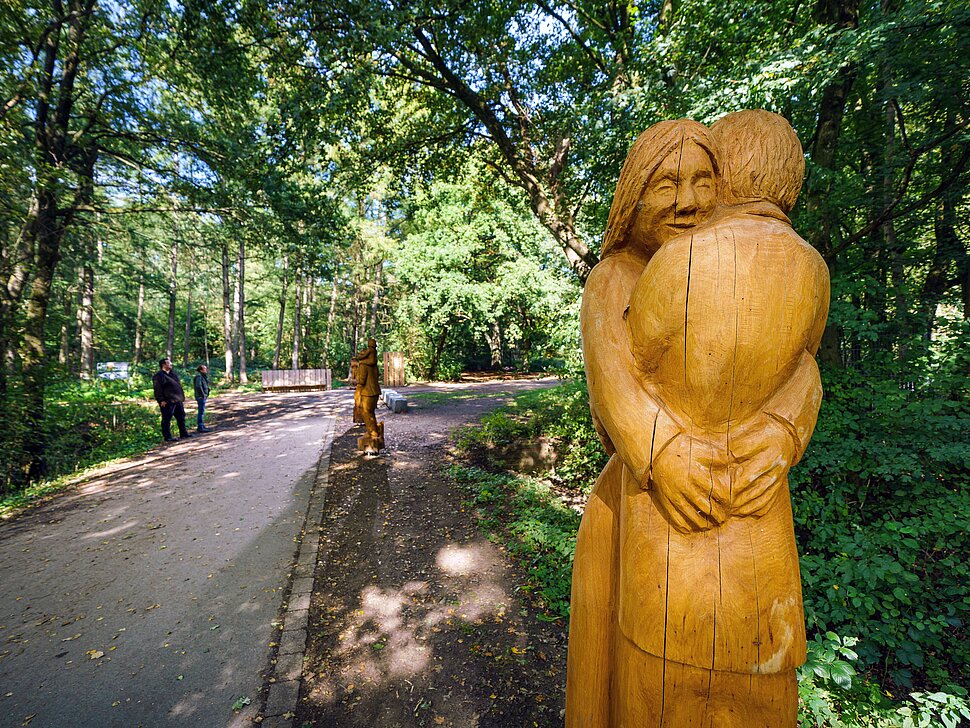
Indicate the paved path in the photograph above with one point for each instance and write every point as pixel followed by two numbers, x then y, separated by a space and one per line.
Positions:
pixel 151 594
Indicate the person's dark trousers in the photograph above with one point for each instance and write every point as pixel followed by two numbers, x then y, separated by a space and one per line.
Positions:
pixel 199 422
pixel 177 410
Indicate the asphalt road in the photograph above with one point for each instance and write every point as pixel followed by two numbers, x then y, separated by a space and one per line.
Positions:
pixel 147 595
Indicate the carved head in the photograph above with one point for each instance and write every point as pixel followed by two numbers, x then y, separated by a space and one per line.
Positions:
pixel 761 158
pixel 372 343
pixel 668 184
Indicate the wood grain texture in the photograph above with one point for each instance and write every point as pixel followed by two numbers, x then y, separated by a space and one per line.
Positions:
pixel 700 327
pixel 296 379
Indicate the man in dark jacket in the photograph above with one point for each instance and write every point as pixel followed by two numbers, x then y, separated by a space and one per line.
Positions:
pixel 170 398
pixel 201 386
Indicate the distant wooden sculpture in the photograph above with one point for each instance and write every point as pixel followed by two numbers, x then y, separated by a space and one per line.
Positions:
pixel 352 379
pixel 700 327
pixel 367 391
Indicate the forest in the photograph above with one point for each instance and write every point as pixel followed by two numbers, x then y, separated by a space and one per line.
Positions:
pixel 255 184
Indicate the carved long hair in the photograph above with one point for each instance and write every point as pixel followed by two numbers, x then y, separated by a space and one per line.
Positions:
pixel 647 153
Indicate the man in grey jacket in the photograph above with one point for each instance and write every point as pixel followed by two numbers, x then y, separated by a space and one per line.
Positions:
pixel 201 386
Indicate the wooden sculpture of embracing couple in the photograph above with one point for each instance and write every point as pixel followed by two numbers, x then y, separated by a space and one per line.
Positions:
pixel 700 328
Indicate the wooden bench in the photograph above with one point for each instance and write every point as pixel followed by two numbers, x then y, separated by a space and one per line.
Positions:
pixel 287 379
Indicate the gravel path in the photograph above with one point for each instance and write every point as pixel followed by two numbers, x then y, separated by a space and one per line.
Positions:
pixel 146 596
pixel 152 593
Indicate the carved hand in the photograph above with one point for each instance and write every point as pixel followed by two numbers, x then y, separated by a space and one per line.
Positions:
pixel 764 450
pixel 690 485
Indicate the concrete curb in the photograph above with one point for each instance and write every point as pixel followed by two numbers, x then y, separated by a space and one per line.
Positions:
pixel 283 681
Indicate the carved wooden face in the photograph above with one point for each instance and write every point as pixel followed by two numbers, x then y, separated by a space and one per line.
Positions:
pixel 680 194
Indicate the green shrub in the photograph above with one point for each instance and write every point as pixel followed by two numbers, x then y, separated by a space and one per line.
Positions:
pixel 88 423
pixel 535 526
pixel 882 516
pixel 832 696
pixel 560 413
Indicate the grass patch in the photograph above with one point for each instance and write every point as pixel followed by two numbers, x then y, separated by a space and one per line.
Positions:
pixel 521 512
pixel 560 413
pixel 84 434
pixel 435 398
pixel 87 424
pixel 535 526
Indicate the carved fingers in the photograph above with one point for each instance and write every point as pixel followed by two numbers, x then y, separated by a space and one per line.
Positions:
pixel 697 484
pixel 764 454
pixel 690 485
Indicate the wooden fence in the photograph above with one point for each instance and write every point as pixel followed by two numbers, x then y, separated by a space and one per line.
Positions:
pixel 394 369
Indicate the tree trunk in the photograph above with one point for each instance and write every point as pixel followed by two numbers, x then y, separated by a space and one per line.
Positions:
pixel 243 376
pixel 49 232
pixel 188 329
pixel 172 294
pixel 64 351
pixel 297 320
pixel 376 299
pixel 85 317
pixel 308 297
pixel 205 332
pixel 226 311
pixel 51 213
pixel 896 251
pixel 494 339
pixel 139 313
pixel 235 316
pixel 355 321
pixel 950 253
pixel 279 321
pixel 331 317
pixel 438 349
pixel 841 15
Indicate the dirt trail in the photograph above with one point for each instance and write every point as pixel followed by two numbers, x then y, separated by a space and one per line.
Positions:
pixel 416 619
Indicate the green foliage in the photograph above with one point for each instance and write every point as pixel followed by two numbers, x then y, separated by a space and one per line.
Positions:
pixel 87 424
pixel 560 413
pixel 881 505
pixel 476 279
pixel 431 399
pixel 535 526
pixel 831 696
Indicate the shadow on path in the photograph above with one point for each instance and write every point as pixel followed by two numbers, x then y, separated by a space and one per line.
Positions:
pixel 147 594
pixel 415 619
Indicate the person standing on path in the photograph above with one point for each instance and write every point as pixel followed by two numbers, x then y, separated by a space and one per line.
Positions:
pixel 170 398
pixel 201 386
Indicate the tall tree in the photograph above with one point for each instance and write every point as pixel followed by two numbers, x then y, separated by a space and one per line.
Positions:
pixel 241 293
pixel 281 318
pixel 226 310
pixel 173 261
pixel 485 70
pixel 297 318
